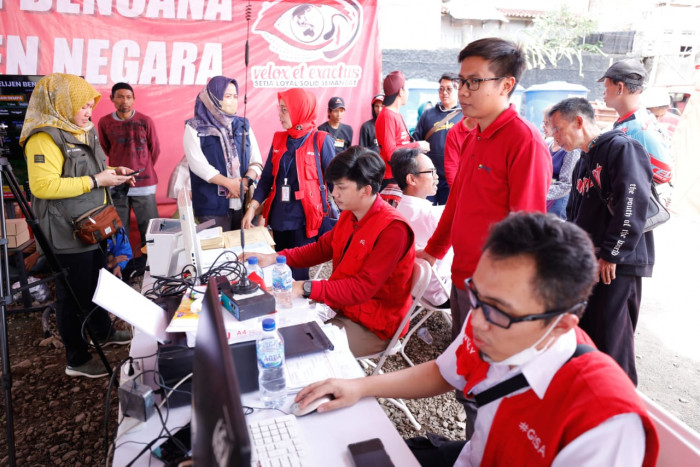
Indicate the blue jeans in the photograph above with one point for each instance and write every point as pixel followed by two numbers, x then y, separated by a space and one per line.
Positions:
pixel 558 207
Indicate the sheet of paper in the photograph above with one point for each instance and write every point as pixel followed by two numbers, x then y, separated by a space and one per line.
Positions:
pixel 337 363
pixel 123 301
pixel 253 235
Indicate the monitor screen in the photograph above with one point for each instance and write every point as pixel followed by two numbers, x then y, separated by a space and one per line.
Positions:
pixel 15 91
pixel 190 240
pixel 219 430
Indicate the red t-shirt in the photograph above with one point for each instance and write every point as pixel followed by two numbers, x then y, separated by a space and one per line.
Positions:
pixel 391 134
pixel 504 168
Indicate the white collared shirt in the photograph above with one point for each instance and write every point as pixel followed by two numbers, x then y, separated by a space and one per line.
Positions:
pixel 619 441
pixel 423 218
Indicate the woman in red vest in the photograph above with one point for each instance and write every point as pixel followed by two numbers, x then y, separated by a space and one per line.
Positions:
pixel 289 185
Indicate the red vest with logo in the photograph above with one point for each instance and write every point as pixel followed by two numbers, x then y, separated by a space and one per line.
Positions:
pixel 585 392
pixel 307 172
pixel 383 313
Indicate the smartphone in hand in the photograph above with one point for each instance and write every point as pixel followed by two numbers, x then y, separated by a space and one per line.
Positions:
pixel 136 172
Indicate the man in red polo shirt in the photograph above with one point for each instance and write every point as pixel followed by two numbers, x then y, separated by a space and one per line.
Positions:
pixel 504 167
pixel 390 127
pixel 505 164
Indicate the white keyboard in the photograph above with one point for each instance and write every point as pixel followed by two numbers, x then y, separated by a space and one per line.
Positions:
pixel 276 442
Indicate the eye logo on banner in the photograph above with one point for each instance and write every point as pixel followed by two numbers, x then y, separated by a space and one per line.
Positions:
pixel 310 31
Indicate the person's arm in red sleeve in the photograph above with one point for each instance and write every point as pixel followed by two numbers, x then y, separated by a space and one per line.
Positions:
pixel 452 148
pixel 441 240
pixel 387 130
pixel 102 135
pixel 311 254
pixel 153 143
pixel 529 175
pixel 389 248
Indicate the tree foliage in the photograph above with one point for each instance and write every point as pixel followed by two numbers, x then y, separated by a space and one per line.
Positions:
pixel 556 35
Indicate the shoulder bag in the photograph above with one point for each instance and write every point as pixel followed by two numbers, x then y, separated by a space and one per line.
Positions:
pixel 657 213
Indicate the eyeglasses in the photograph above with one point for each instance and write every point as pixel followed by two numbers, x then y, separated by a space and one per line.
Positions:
pixel 502 319
pixel 473 84
pixel 447 90
pixel 432 171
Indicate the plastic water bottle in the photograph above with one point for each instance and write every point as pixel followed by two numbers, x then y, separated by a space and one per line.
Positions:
pixel 254 267
pixel 270 350
pixel 282 283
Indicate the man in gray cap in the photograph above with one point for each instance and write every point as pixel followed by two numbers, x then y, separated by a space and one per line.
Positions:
pixel 341 133
pixel 624 82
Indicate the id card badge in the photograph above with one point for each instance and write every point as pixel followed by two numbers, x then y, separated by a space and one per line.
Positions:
pixel 286 192
pixel 222 190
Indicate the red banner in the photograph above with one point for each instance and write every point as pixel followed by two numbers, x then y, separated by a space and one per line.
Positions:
pixel 167 50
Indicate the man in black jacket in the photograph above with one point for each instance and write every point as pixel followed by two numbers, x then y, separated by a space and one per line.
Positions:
pixel 609 198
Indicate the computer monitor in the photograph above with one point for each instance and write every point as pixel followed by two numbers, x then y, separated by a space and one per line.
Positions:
pixel 190 240
pixel 219 430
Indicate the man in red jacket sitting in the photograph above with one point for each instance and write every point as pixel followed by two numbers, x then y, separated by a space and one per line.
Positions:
pixel 372 251
pixel 565 402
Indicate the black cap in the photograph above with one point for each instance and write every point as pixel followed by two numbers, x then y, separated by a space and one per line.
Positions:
pixel 629 71
pixel 336 103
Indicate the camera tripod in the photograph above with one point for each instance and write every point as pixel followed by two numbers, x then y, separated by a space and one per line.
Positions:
pixel 7 176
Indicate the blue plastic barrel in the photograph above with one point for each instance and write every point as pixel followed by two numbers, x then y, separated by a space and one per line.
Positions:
pixel 540 96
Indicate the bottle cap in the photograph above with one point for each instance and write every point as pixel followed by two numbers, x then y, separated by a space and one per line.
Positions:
pixel 268 324
pixel 253 260
pixel 281 259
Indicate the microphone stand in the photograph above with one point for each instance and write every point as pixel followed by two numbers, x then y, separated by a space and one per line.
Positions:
pixel 244 285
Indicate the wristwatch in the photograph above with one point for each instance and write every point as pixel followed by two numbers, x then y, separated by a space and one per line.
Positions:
pixel 251 182
pixel 307 289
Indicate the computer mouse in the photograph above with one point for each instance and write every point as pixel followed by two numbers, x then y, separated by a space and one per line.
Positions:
pixel 295 410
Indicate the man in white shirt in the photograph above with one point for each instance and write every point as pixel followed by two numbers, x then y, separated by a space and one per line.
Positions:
pixel 544 396
pixel 417 177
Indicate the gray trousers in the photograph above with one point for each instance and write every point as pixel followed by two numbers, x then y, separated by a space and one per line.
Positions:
pixel 145 209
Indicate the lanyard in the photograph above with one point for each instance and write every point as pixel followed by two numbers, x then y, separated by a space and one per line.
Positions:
pixel 287 166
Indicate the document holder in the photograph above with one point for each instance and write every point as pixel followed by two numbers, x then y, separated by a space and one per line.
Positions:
pixel 305 338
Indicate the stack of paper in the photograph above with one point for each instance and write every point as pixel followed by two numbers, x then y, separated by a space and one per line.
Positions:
pixel 211 238
pixel 253 235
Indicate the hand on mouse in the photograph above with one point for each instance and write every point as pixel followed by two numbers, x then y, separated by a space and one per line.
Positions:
pixel 346 392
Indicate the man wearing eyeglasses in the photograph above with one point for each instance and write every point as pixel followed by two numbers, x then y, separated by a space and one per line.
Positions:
pixel 418 179
pixel 545 396
pixel 505 165
pixel 433 126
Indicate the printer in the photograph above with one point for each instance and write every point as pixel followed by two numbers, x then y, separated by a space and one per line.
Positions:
pixel 164 240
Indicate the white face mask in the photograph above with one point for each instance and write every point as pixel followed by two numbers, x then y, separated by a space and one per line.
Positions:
pixel 528 354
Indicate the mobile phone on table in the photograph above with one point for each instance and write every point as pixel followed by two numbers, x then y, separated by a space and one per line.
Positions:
pixel 136 172
pixel 370 453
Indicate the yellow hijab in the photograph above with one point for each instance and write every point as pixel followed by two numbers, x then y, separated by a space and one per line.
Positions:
pixel 55 101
